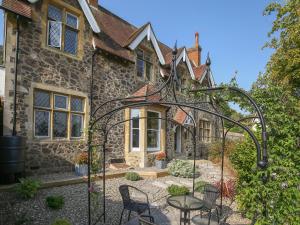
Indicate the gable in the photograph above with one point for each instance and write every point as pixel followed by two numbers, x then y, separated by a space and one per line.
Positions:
pixel 183 56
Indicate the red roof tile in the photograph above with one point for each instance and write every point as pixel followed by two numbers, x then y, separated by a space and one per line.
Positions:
pixel 18 7
pixel 180 115
pixel 142 92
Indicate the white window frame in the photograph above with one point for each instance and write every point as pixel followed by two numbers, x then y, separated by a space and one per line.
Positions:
pixel 159 132
pixel 49 123
pixel 60 32
pixel 77 25
pixel 135 149
pixel 67 102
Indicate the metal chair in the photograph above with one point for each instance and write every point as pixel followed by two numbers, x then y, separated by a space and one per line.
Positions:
pixel 133 205
pixel 211 194
pixel 218 218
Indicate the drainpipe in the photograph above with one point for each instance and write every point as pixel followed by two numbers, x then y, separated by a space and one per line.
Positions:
pixel 14 132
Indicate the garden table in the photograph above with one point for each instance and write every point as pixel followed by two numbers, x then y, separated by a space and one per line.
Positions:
pixel 185 204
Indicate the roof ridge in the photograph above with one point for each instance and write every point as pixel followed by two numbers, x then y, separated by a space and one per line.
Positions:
pixel 114 15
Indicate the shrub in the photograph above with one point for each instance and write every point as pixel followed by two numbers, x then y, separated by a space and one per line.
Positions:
pixel 181 168
pixel 55 202
pixel 133 176
pixel 61 222
pixel 27 188
pixel 228 188
pixel 82 158
pixel 176 190
pixel 199 186
pixel 160 156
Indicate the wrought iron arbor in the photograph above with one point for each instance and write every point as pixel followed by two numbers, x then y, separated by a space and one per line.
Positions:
pixel 103 114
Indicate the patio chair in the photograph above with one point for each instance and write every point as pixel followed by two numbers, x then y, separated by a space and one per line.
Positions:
pixel 211 194
pixel 133 205
pixel 215 218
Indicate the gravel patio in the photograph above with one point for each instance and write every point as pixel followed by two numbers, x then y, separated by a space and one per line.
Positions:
pixel 75 209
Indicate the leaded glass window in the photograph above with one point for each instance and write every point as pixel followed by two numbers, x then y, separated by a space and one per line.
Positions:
pixel 62 30
pixel 58 115
pixel 204 131
pixel 144 65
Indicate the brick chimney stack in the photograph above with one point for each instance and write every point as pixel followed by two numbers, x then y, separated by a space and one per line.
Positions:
pixel 195 52
pixel 93 3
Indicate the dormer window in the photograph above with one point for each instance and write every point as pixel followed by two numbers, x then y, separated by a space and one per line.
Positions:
pixel 62 30
pixel 144 65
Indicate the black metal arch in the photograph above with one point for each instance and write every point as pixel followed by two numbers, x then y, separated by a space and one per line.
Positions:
pixel 167 87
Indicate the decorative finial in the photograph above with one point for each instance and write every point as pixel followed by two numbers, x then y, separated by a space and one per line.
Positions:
pixel 208 61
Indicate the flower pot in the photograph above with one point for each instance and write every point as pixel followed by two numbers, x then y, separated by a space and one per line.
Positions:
pixel 81 169
pixel 160 164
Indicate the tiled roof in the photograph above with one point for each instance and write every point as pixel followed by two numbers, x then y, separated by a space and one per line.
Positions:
pixel 143 91
pixel 180 115
pixel 117 33
pixel 18 7
pixel 168 56
pixel 199 71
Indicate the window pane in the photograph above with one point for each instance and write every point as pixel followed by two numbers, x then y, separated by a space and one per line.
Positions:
pixel 152 123
pixel 135 114
pixel 60 102
pixel 77 125
pixel 42 99
pixel 148 57
pixel 152 139
pixel 41 126
pixel 135 138
pixel 140 54
pixel 71 41
pixel 72 21
pixel 140 68
pixel 54 34
pixel 76 104
pixel 148 71
pixel 54 13
pixel 60 124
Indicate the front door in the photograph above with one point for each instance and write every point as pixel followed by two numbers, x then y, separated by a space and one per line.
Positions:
pixel 178 139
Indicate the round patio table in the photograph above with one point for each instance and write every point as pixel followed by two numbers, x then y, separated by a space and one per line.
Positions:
pixel 185 204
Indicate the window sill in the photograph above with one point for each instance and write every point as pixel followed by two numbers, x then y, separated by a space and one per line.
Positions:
pixel 58 51
pixel 61 140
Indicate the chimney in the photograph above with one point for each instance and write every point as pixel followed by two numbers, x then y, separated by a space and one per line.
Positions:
pixel 195 52
pixel 93 3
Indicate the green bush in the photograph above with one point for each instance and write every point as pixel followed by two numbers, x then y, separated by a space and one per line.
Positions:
pixel 27 188
pixel 55 202
pixel 133 176
pixel 61 222
pixel 181 168
pixel 199 186
pixel 176 190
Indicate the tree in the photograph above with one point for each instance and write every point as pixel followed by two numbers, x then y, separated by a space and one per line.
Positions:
pixel 278 200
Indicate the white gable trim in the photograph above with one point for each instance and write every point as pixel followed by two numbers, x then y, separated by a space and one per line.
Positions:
pixel 150 37
pixel 185 58
pixel 210 77
pixel 89 16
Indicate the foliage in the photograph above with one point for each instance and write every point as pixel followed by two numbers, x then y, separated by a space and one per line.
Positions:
pixel 55 202
pixel 175 190
pixel 133 176
pixel 61 222
pixel 229 188
pixel 82 158
pixel 199 186
pixel 96 165
pixel 23 219
pixel 27 188
pixel 181 168
pixel 160 156
pixel 284 66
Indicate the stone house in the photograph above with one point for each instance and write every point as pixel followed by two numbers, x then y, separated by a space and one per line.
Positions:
pixel 61 44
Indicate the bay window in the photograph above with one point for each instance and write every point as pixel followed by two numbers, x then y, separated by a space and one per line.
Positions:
pixel 58 115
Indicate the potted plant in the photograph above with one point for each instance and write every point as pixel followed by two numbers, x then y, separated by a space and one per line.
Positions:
pixel 160 160
pixel 81 164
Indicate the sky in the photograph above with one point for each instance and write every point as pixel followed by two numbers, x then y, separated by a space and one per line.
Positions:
pixel 232 31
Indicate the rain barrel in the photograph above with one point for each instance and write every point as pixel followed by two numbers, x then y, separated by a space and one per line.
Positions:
pixel 12 164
